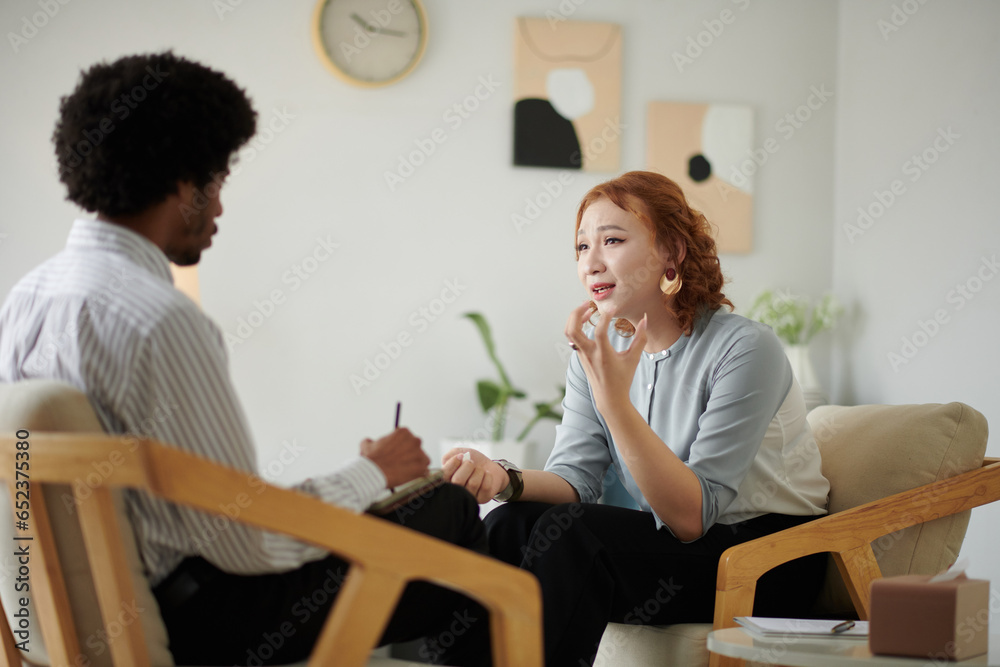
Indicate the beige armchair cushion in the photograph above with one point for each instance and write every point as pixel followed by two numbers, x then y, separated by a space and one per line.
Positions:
pixel 868 452
pixel 873 451
pixel 46 405
pixel 678 644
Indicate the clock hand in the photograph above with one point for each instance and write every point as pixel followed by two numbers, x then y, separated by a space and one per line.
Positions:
pixel 394 33
pixel 373 29
pixel 364 24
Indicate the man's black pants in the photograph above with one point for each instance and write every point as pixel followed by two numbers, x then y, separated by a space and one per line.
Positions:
pixel 216 618
pixel 599 563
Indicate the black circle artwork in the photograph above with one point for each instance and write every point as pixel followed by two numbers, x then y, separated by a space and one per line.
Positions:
pixel 699 168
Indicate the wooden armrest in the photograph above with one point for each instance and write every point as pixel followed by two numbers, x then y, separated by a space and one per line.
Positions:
pixel 383 556
pixel 848 535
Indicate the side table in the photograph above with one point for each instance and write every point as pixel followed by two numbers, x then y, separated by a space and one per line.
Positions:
pixel 797 651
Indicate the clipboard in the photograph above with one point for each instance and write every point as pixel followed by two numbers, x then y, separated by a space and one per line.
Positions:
pixel 406 493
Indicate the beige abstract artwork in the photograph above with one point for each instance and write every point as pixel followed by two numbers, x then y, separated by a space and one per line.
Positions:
pixel 567 94
pixel 703 147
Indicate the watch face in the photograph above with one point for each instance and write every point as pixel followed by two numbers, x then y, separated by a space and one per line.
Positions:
pixel 371 42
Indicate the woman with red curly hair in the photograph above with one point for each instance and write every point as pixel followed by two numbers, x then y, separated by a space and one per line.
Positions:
pixel 694 408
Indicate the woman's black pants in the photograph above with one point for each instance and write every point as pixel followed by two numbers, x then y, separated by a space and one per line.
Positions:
pixel 600 563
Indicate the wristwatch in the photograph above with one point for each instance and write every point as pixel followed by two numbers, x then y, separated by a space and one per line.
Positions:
pixel 514 489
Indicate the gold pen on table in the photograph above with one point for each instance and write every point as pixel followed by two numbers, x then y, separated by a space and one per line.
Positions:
pixel 842 627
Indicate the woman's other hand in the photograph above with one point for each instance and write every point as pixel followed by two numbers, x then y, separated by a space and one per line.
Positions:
pixel 609 371
pixel 476 472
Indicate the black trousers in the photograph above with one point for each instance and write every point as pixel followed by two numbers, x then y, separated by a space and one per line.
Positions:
pixel 599 563
pixel 216 618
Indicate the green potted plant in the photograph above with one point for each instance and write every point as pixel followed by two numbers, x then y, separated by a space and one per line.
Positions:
pixel 796 321
pixel 494 397
pixel 793 318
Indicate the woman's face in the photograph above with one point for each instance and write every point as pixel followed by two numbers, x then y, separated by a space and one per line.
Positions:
pixel 619 263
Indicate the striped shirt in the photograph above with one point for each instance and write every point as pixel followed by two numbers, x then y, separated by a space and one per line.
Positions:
pixel 104 316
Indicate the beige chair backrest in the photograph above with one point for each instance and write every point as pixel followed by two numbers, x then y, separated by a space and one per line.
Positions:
pixel 46 405
pixel 873 451
pixel 384 557
pixel 869 452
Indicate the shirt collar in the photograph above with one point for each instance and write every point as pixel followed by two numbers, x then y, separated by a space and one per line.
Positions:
pixel 700 324
pixel 675 348
pixel 111 237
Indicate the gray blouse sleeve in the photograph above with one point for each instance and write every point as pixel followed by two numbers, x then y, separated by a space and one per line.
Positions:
pixel 747 387
pixel 580 454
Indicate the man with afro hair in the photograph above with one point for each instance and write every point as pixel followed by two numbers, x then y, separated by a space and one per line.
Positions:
pixel 144 145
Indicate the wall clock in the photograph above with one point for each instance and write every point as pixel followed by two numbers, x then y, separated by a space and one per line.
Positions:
pixel 370 42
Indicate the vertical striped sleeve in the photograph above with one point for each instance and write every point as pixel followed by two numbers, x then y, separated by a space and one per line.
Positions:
pixel 104 316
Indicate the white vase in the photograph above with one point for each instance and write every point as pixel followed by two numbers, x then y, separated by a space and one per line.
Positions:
pixel 805 373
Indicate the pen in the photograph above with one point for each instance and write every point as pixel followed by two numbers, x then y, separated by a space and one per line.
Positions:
pixel 842 627
pixel 399 405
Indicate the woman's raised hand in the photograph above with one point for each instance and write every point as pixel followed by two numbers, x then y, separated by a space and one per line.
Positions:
pixel 609 371
pixel 476 472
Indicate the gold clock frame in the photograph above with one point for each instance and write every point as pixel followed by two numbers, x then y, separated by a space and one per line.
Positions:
pixel 318 44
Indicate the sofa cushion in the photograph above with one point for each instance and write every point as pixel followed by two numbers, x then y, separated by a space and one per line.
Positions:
pixel 868 452
pixel 678 644
pixel 47 405
pixel 873 451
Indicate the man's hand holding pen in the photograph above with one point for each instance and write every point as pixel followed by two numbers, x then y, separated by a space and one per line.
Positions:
pixel 398 455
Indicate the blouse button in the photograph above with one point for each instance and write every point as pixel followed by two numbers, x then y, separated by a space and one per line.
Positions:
pixel 649 386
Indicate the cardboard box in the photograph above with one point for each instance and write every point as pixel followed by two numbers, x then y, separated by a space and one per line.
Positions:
pixel 944 620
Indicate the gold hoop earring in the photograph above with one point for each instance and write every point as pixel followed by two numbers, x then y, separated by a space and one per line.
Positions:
pixel 670 283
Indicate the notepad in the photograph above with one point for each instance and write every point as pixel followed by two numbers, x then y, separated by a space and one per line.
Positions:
pixel 406 493
pixel 800 627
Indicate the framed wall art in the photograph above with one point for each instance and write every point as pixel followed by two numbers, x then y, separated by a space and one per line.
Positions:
pixel 567 94
pixel 705 148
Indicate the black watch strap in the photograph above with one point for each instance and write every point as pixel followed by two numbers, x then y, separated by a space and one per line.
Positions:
pixel 515 486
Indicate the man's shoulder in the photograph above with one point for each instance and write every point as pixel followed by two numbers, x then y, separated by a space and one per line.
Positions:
pixel 158 309
pixel 115 291
pixel 170 305
pixel 130 292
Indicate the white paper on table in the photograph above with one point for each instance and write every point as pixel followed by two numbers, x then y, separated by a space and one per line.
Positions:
pixel 800 627
pixel 954 572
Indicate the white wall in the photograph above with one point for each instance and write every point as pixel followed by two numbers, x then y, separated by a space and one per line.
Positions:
pixel 450 221
pixel 902 91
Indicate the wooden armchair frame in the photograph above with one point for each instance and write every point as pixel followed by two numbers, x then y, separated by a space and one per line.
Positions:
pixel 383 557
pixel 848 535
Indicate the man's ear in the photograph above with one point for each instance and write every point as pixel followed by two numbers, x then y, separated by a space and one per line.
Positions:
pixel 185 192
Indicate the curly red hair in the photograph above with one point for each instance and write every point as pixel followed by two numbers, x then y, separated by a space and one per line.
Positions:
pixel 659 203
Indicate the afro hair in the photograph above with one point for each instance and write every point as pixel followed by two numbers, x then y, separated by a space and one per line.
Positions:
pixel 134 128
